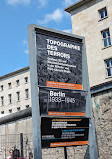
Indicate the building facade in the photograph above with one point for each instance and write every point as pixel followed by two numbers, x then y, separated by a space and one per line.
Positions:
pixel 15 91
pixel 92 19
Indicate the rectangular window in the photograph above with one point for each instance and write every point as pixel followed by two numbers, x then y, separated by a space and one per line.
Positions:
pixel 108 67
pixel 2 100
pixel 1 87
pixel 10 110
pixel 106 38
pixel 2 112
pixel 10 98
pixel 18 96
pixel 26 79
pixel 9 85
pixel 26 93
pixel 103 13
pixel 17 82
pixel 27 106
pixel 18 108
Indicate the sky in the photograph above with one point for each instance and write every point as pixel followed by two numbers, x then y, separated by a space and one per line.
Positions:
pixel 15 16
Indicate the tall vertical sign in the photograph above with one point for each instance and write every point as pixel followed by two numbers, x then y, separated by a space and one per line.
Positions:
pixel 59 88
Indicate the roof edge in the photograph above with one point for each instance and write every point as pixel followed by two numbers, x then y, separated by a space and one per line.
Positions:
pixel 76 5
pixel 101 87
pixel 15 72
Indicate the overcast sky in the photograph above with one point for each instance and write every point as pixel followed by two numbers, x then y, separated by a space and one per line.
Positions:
pixel 15 16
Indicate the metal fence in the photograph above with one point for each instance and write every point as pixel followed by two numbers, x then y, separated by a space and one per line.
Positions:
pixel 24 144
pixel 20 143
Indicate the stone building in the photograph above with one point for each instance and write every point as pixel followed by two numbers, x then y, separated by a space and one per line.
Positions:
pixel 15 91
pixel 92 19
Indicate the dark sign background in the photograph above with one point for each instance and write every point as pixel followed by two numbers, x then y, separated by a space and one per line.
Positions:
pixel 61 100
pixel 63 130
pixel 58 68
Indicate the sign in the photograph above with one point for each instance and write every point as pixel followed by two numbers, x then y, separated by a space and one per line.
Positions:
pixel 56 132
pixel 62 102
pixel 59 61
pixel 56 62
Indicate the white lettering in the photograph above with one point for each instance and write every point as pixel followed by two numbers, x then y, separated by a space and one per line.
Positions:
pixel 57 94
pixel 62 44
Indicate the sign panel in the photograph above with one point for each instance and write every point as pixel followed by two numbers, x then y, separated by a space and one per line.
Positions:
pixel 59 62
pixel 56 132
pixel 62 102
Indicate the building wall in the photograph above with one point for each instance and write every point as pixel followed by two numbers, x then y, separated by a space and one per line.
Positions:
pixel 102 108
pixel 86 22
pixel 15 104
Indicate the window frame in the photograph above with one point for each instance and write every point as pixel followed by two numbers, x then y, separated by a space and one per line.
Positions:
pixel 10 98
pixel 26 79
pixel 18 109
pixel 17 83
pixel 18 96
pixel 2 100
pixel 27 106
pixel 106 39
pixel 10 110
pixel 108 67
pixel 104 10
pixel 9 85
pixel 2 112
pixel 27 93
pixel 1 88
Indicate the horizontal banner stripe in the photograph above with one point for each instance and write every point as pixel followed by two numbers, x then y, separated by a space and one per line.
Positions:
pixel 64 85
pixel 52 113
pixel 58 144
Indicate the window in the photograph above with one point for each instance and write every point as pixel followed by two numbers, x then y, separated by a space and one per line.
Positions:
pixel 103 13
pixel 18 96
pixel 2 100
pixel 17 82
pixel 2 112
pixel 27 106
pixel 10 110
pixel 10 98
pixel 106 38
pixel 109 67
pixel 9 84
pixel 18 108
pixel 26 79
pixel 1 87
pixel 26 93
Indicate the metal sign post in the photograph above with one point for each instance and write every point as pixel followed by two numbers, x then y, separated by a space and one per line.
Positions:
pixel 34 94
pixel 65 152
pixel 21 143
pixel 93 149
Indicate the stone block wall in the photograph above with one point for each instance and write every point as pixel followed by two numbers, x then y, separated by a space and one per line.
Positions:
pixel 102 108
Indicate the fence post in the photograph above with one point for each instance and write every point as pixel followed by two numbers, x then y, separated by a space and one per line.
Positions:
pixel 65 152
pixel 21 144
